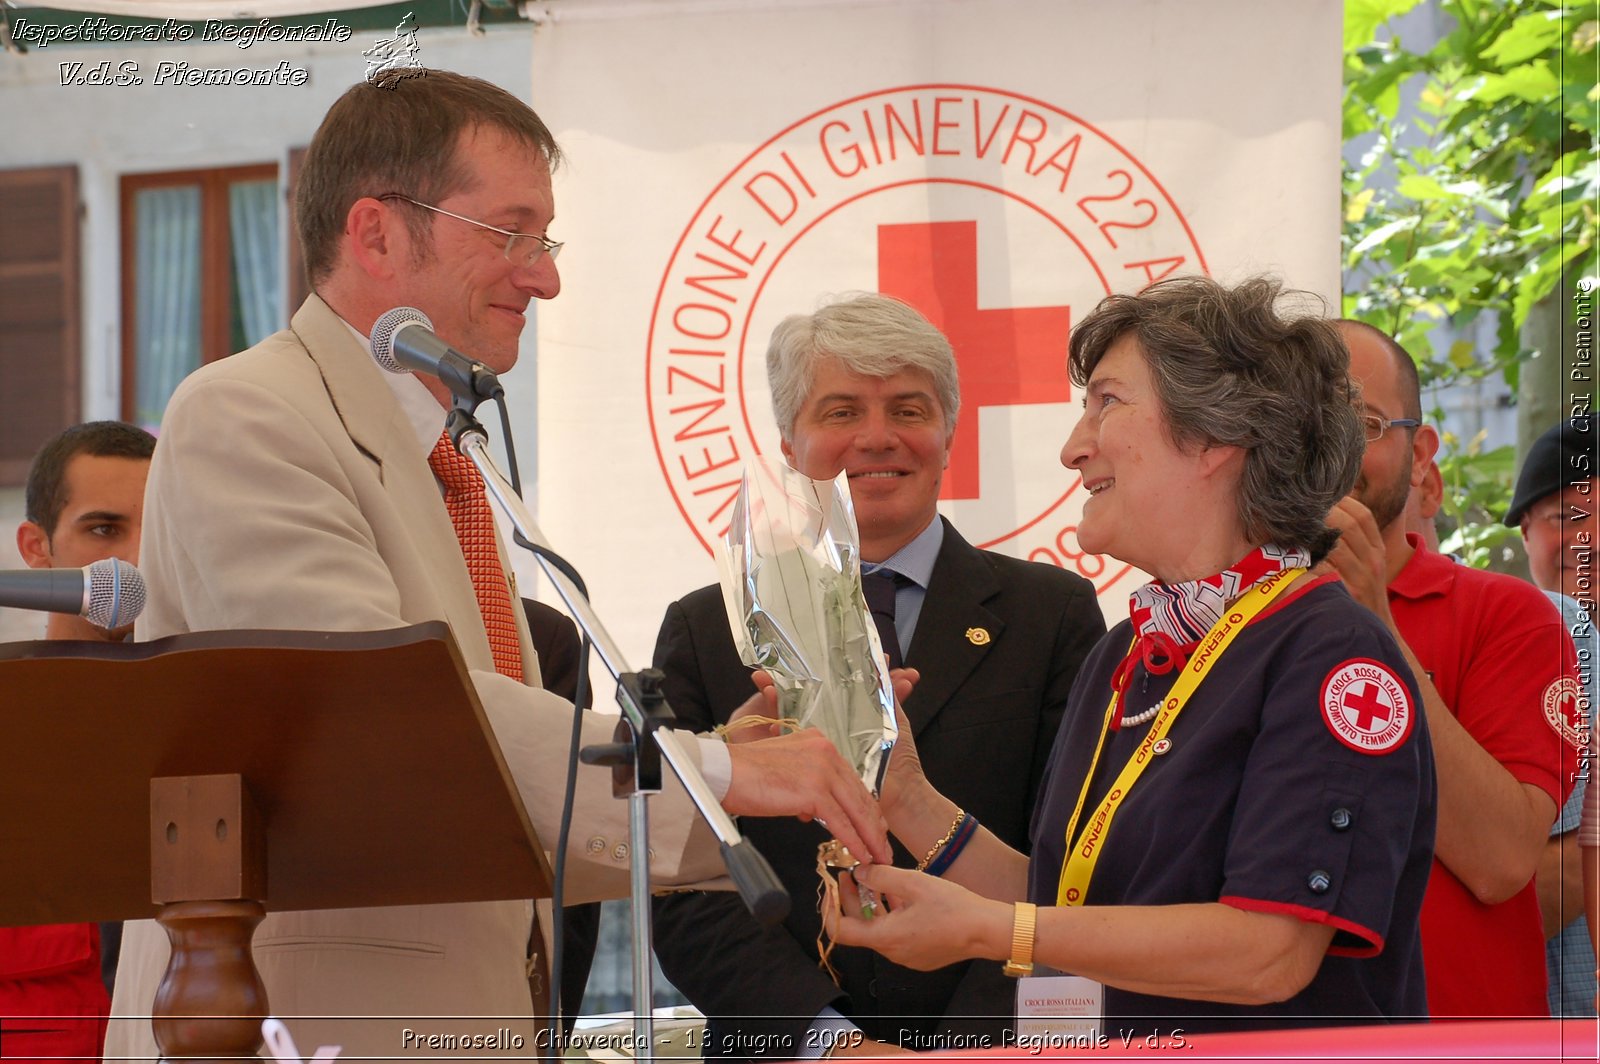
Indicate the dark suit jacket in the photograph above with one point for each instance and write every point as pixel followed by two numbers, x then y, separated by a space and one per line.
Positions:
pixel 984 716
pixel 555 636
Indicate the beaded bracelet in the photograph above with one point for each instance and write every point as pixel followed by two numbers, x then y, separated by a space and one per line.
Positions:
pixel 962 833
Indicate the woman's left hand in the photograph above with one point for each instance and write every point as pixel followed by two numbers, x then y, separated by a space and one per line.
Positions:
pixel 929 922
pixel 764 703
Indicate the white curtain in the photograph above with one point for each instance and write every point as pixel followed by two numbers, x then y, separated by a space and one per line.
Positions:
pixel 257 280
pixel 167 294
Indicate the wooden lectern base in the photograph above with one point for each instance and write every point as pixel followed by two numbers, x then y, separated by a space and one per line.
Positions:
pixel 228 745
pixel 208 872
pixel 212 1001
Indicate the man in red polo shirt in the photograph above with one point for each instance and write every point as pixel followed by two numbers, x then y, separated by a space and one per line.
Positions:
pixel 84 502
pixel 1497 674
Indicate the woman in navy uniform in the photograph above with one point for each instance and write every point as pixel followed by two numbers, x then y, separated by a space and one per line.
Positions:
pixel 1238 819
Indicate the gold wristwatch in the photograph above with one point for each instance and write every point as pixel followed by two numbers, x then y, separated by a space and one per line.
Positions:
pixel 1023 918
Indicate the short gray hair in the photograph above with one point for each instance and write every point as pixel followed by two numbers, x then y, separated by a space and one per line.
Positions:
pixel 872 335
pixel 1230 369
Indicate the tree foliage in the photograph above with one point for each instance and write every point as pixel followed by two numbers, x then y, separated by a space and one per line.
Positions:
pixel 1475 191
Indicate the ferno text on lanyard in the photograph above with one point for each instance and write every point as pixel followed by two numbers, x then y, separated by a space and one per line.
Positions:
pixel 1081 859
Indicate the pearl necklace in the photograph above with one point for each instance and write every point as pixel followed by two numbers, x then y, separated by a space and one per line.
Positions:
pixel 1140 718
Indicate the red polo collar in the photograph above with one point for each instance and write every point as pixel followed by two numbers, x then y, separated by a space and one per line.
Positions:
pixel 1427 573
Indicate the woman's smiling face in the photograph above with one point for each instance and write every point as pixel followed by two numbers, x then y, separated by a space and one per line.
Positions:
pixel 1139 481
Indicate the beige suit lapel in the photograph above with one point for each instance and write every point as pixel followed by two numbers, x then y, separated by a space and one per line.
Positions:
pixel 378 426
pixel 355 383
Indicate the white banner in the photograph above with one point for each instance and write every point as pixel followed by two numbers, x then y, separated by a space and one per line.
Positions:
pixel 1001 165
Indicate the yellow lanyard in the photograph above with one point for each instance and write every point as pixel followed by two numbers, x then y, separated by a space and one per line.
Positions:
pixel 1081 860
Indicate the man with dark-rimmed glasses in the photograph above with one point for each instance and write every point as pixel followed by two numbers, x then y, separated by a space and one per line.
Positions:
pixel 1499 690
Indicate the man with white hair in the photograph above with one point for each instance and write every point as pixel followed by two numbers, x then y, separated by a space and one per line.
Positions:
pixel 869 386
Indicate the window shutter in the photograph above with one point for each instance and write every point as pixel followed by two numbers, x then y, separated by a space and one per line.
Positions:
pixel 40 349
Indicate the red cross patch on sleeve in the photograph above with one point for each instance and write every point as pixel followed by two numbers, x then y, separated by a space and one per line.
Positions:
pixel 1563 702
pixel 1366 706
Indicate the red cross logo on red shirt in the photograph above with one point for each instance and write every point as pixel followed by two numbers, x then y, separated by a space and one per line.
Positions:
pixel 1368 706
pixel 1005 356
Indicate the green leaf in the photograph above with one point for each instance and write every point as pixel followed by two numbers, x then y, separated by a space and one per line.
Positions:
pixel 1572 170
pixel 1528 36
pixel 1542 280
pixel 1482 198
pixel 1387 102
pixel 1357 117
pixel 1534 82
pixel 1382 234
pixel 1508 350
pixel 1421 187
pixel 1363 17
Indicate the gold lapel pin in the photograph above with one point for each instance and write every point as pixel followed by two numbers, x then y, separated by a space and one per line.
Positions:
pixel 978 637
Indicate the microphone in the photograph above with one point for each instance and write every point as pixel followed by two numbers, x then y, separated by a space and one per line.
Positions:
pixel 403 341
pixel 110 593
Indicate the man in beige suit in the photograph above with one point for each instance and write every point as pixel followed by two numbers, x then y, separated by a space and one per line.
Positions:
pixel 291 489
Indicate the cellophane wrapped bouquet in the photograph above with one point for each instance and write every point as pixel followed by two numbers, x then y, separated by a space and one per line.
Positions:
pixel 791 580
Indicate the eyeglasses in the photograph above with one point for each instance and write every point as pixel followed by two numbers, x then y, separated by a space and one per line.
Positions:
pixel 524 249
pixel 1376 426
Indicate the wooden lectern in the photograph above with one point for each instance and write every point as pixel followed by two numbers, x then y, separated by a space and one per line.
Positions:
pixel 206 779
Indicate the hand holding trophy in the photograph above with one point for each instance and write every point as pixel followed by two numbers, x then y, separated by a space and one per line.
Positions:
pixel 791 581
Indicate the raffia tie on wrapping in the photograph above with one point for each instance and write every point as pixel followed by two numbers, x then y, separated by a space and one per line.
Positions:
pixel 833 857
pixel 788 724
pixel 828 859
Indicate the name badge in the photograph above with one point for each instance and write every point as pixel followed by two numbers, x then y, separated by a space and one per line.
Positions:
pixel 1059 1012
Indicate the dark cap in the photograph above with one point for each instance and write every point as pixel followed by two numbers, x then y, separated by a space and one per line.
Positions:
pixel 1563 455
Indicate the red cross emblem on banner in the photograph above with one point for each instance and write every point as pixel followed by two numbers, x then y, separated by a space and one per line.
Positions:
pixel 1000 216
pixel 1006 356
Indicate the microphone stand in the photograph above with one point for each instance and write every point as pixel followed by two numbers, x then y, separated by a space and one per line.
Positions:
pixel 644 737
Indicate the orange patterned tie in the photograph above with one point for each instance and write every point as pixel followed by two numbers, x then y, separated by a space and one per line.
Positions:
pixel 469 511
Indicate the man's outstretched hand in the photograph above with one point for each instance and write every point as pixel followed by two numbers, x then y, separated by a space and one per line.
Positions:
pixel 802 775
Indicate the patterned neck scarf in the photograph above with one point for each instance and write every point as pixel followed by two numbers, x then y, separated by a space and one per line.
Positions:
pixel 1169 619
